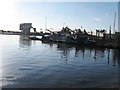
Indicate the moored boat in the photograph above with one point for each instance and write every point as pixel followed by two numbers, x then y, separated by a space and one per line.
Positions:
pixel 34 38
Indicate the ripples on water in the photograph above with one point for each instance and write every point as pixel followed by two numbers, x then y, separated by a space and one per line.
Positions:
pixel 27 63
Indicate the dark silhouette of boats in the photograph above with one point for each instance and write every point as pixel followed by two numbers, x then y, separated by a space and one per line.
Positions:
pixel 83 38
pixel 66 35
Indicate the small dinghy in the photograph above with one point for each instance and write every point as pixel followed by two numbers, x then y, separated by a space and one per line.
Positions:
pixel 34 38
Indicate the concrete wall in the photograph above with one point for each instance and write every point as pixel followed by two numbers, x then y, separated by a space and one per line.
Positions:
pixel 25 28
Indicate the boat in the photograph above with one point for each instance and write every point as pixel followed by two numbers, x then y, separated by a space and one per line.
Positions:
pixel 45 38
pixel 34 38
pixel 66 36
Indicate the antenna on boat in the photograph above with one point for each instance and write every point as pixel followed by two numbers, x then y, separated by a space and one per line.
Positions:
pixel 114 23
pixel 45 24
pixel 63 24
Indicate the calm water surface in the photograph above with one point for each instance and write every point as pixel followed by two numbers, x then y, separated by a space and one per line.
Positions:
pixel 27 64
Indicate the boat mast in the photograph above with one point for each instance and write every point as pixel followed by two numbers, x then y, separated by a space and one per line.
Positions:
pixel 45 24
pixel 63 24
pixel 114 23
pixel 110 32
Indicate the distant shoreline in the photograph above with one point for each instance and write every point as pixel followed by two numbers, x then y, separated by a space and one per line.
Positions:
pixel 106 45
pixel 20 33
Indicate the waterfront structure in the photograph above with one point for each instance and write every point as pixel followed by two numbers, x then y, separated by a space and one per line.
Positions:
pixel 117 38
pixel 25 28
pixel 1 31
pixel 112 40
pixel 101 39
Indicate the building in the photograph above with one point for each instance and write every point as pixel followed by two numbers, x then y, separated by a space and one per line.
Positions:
pixel 25 28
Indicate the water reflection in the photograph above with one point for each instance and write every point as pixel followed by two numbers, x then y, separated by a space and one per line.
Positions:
pixel 81 50
pixel 24 41
pixel 65 50
pixel 43 65
pixel 116 56
pixel 108 56
pixel 95 53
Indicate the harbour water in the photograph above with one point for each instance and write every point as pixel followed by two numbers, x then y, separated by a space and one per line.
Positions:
pixel 33 64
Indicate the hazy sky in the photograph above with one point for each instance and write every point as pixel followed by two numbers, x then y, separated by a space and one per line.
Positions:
pixel 89 15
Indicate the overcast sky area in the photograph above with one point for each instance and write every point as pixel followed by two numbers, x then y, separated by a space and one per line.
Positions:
pixel 90 15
